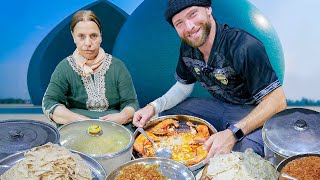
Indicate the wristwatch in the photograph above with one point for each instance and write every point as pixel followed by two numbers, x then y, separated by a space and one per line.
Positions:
pixel 237 132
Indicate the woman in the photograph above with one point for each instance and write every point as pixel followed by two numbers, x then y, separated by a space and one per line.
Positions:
pixel 89 83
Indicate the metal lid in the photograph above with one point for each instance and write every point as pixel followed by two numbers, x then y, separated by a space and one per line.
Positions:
pixel 292 132
pixel 97 138
pixel 18 135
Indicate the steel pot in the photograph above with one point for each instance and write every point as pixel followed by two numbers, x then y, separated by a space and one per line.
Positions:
pixel 20 135
pixel 106 141
pixel 291 132
pixel 182 118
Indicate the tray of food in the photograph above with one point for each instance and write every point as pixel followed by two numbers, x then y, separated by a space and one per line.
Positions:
pixel 184 135
pixel 151 168
pixel 51 161
pixel 302 166
pixel 238 165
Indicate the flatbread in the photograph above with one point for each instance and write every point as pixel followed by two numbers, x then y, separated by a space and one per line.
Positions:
pixel 49 162
pixel 239 166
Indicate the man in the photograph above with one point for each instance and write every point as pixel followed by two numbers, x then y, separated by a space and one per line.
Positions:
pixel 232 66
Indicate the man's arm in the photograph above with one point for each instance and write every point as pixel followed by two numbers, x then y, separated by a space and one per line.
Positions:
pixel 177 93
pixel 224 141
pixel 271 104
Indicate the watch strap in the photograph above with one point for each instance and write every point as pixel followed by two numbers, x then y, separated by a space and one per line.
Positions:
pixel 237 132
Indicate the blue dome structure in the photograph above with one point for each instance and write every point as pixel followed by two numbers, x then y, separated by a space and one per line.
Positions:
pixel 149 46
pixel 59 44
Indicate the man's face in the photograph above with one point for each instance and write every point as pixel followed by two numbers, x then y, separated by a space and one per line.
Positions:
pixel 193 25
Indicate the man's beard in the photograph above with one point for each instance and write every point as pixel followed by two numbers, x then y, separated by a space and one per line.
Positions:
pixel 206 28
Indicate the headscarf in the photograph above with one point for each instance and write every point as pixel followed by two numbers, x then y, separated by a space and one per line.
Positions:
pixel 89 66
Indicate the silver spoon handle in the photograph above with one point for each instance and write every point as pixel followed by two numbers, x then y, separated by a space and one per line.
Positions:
pixel 287 176
pixel 4 168
pixel 146 135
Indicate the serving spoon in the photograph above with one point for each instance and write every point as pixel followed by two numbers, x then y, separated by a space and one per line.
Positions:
pixel 160 151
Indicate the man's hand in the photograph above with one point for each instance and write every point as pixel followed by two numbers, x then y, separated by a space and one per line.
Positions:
pixel 219 143
pixel 143 115
pixel 117 117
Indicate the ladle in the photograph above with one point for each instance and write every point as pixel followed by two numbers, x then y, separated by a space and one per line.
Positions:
pixel 160 151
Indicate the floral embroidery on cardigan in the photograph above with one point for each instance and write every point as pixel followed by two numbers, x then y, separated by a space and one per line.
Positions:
pixel 95 87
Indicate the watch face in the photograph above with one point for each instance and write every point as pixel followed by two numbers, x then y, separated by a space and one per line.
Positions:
pixel 239 134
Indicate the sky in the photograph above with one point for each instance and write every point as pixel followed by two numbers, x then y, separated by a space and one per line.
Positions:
pixel 296 24
pixel 298 28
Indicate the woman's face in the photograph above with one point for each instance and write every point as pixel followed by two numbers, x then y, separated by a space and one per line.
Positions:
pixel 87 37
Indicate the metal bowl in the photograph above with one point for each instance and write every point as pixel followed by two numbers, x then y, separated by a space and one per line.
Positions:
pixel 96 168
pixel 169 168
pixel 289 159
pixel 180 118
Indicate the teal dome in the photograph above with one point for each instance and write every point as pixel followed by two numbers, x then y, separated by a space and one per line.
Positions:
pixel 149 46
